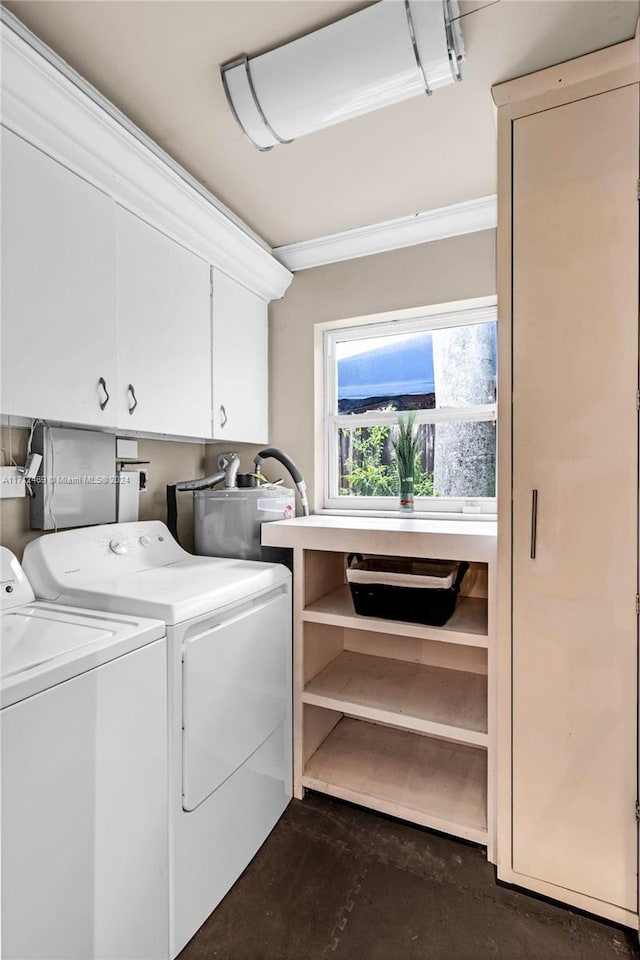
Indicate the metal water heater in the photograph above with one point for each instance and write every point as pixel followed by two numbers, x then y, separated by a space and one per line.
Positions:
pixel 227 522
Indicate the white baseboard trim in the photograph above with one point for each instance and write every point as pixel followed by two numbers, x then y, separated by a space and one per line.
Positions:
pixel 451 221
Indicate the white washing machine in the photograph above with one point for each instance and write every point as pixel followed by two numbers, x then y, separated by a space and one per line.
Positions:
pixel 84 780
pixel 229 664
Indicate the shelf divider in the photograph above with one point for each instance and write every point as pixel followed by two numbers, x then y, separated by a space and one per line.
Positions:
pixel 431 782
pixel 467 626
pixel 451 704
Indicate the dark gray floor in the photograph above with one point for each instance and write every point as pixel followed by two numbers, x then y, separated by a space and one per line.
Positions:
pixel 334 882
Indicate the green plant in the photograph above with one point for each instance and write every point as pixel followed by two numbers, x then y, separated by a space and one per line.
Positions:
pixel 405 447
pixel 368 470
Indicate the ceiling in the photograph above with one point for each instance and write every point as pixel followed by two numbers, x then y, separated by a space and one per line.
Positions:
pixel 158 61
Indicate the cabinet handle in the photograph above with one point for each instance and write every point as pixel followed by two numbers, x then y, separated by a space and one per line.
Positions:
pixel 103 383
pixel 534 522
pixel 223 416
pixel 133 394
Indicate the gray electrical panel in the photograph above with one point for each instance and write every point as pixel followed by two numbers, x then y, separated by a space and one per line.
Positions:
pixel 76 483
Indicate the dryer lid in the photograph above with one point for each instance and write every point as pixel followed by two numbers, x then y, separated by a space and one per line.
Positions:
pixel 139 569
pixel 180 591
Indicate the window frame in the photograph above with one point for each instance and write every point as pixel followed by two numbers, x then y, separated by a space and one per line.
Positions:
pixel 438 316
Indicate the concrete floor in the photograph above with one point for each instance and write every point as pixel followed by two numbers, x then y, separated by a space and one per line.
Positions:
pixel 334 882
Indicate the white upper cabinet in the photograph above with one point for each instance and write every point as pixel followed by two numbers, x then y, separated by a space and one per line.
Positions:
pixel 58 291
pixel 164 332
pixel 240 363
pixel 103 314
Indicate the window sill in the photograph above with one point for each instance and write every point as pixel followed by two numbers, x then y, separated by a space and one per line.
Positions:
pixel 417 514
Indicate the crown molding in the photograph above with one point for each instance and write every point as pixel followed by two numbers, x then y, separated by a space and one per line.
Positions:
pixel 451 221
pixel 49 105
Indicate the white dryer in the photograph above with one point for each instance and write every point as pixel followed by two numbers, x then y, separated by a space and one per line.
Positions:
pixel 84 780
pixel 229 667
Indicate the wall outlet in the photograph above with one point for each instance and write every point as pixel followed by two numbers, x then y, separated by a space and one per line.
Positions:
pixel 11 483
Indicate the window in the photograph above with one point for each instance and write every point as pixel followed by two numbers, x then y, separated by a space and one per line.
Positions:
pixel 440 365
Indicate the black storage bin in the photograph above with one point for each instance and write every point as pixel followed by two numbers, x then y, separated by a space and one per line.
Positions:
pixel 400 588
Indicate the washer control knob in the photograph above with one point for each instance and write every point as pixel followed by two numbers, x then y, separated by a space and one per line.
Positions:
pixel 121 547
pixel 145 541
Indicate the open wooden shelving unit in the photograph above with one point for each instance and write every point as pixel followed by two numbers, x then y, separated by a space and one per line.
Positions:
pixel 394 716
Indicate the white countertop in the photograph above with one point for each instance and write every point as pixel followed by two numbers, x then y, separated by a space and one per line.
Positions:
pixel 402 536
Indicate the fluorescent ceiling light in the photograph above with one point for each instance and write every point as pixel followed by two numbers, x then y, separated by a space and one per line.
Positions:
pixel 388 52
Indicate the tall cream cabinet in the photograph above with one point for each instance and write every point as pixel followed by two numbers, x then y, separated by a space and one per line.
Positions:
pixel 568 526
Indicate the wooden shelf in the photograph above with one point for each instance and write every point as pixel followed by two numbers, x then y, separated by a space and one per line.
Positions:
pixel 431 782
pixel 425 699
pixel 467 626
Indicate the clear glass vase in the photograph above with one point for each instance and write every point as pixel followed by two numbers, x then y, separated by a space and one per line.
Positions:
pixel 406 494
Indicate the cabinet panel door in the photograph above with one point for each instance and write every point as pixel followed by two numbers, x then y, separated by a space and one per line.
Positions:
pixel 58 290
pixel 164 332
pixel 240 363
pixel 575 376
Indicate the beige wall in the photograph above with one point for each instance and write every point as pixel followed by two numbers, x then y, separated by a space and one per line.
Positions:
pixel 168 463
pixel 438 272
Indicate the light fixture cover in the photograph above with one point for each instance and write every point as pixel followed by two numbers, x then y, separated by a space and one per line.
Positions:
pixel 388 52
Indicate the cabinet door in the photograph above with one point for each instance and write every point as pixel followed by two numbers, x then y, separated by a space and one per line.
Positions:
pixel 164 332
pixel 240 363
pixel 58 290
pixel 575 376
